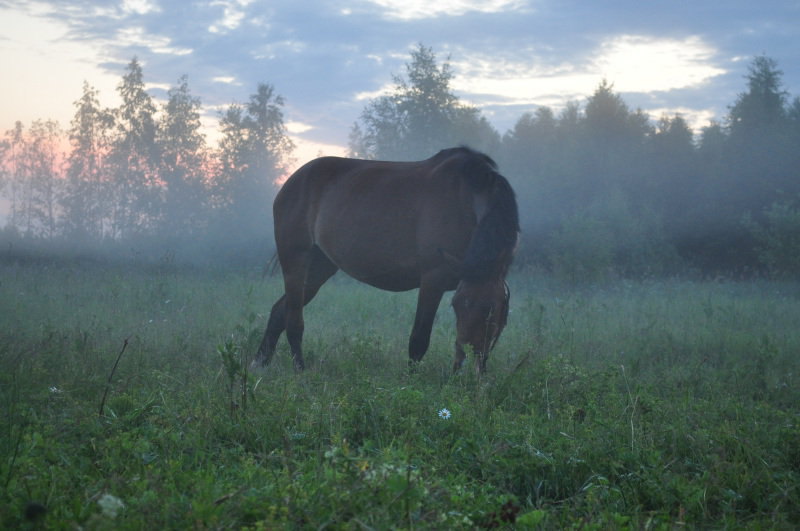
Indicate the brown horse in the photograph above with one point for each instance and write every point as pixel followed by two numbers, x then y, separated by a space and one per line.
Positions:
pixel 449 222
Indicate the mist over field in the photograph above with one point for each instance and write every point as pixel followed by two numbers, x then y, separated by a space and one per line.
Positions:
pixel 604 190
pixel 128 403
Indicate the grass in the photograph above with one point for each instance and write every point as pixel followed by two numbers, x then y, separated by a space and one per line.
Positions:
pixel 629 405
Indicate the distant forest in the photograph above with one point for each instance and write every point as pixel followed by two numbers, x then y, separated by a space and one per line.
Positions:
pixel 605 191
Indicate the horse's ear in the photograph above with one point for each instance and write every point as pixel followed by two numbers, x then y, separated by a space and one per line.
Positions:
pixel 451 260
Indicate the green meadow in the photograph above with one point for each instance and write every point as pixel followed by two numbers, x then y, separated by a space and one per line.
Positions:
pixel 127 403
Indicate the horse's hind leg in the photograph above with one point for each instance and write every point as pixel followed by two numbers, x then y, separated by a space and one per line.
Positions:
pixel 317 271
pixel 275 326
pixel 301 287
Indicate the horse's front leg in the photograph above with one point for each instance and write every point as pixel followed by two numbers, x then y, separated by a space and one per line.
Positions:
pixel 427 303
pixel 459 357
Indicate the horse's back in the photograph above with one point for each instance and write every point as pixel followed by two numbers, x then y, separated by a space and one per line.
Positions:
pixel 384 223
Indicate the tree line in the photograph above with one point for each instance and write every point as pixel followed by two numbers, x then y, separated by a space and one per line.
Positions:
pixel 604 190
pixel 144 176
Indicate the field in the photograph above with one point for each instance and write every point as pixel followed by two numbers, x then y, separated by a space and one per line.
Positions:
pixel 651 404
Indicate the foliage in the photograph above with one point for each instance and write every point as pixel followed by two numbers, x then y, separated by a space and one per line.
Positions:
pixel 755 165
pixel 137 177
pixel 570 172
pixel 778 239
pixel 420 116
pixel 133 159
pixel 253 154
pixel 607 241
pixel 635 405
pixel 763 106
pixel 33 162
pixel 86 201
pixel 184 161
pixel 142 177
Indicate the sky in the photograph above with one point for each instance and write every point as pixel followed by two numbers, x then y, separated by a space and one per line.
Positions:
pixel 328 58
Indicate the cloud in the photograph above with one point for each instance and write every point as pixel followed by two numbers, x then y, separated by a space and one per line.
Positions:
pixel 44 71
pixel 327 59
pixel 280 49
pixel 306 150
pixel 227 80
pixel 645 64
pixel 632 63
pixel 140 7
pixel 232 15
pixel 420 9
pixel 507 82
pixel 137 36
pixel 71 11
pixel 298 128
pixel 367 95
pixel 164 87
pixel 696 119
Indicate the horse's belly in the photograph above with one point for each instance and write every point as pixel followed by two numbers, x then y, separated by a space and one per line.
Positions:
pixel 392 274
pixel 390 281
pixel 379 250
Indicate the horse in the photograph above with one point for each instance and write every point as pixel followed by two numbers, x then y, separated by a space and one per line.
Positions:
pixel 448 222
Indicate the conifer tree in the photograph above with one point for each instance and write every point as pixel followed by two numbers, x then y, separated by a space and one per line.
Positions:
pixel 184 163
pixel 134 158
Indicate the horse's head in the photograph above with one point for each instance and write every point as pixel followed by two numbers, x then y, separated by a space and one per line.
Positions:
pixel 481 312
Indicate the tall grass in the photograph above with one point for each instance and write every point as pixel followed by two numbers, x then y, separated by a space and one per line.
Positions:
pixel 646 404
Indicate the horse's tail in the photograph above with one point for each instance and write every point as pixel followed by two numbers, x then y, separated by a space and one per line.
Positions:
pixel 271 266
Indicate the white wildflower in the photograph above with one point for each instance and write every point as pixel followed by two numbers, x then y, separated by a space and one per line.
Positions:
pixel 444 413
pixel 111 505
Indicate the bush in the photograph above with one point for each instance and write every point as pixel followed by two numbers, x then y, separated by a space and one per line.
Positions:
pixel 778 239
pixel 609 239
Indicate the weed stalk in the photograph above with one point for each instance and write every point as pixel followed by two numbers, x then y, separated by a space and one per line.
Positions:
pixel 111 376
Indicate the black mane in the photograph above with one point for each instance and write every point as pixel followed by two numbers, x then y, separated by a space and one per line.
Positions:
pixel 491 248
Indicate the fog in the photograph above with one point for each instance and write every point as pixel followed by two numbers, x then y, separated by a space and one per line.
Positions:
pixel 604 190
